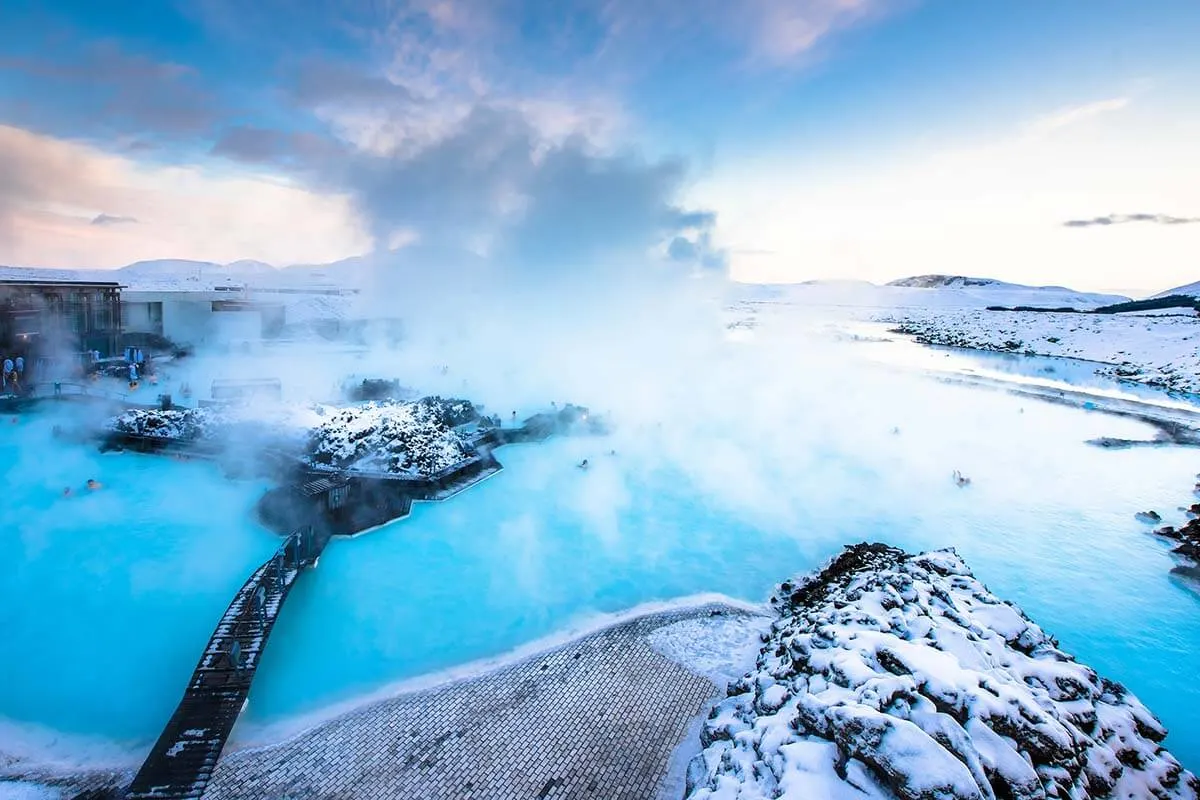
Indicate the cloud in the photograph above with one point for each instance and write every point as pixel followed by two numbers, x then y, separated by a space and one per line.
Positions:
pixel 1073 115
pixel 110 219
pixel 769 33
pixel 99 90
pixel 496 180
pixel 788 29
pixel 1122 219
pixel 52 192
pixel 324 83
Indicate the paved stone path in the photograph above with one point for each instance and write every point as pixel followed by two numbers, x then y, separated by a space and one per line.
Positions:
pixel 597 718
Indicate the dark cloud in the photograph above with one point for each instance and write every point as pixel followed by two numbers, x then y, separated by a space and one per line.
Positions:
pixel 302 152
pixel 1121 219
pixel 100 89
pixel 330 83
pixel 111 219
pixel 700 251
pixel 537 203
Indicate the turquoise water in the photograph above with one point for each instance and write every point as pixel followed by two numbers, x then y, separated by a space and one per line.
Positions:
pixel 107 606
pixel 107 597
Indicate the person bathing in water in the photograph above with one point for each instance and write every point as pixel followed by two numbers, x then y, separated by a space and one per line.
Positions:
pixel 94 484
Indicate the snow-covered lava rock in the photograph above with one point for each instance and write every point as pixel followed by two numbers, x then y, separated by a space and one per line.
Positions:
pixel 410 439
pixel 889 675
pixel 184 424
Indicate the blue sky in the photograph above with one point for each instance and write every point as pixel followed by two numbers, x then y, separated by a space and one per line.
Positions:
pixel 781 139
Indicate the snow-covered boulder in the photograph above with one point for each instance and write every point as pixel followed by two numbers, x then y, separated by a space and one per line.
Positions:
pixel 896 676
pixel 186 424
pixel 408 439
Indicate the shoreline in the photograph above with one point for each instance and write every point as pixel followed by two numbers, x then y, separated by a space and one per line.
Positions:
pixel 1168 363
pixel 64 755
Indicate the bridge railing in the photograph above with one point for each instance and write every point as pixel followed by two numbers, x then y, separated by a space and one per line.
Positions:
pixel 74 389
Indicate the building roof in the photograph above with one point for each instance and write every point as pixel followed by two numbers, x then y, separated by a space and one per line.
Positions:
pixel 31 282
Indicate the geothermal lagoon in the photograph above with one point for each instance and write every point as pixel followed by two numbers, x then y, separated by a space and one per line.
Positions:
pixel 107 597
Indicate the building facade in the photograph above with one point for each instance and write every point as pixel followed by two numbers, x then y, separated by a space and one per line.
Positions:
pixel 218 317
pixel 57 318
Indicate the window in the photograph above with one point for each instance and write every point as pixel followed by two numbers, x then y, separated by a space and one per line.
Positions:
pixel 338 496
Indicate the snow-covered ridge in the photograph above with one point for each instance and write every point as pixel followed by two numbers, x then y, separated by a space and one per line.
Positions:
pixel 1161 350
pixel 1189 290
pixel 897 676
pixel 925 291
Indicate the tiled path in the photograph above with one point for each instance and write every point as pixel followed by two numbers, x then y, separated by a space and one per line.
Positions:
pixel 598 717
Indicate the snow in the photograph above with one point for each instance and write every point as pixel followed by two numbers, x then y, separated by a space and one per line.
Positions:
pixel 923 292
pixel 414 439
pixel 1162 351
pixel 889 675
pixel 720 648
pixel 993 289
pixel 1191 289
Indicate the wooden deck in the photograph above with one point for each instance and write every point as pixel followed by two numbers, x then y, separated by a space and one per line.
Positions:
pixel 183 759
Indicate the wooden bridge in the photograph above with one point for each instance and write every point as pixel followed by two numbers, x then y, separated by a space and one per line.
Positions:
pixel 186 753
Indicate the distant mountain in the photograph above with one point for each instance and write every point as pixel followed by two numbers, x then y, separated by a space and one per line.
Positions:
pixel 964 282
pixel 250 267
pixel 997 292
pixel 174 267
pixel 1191 290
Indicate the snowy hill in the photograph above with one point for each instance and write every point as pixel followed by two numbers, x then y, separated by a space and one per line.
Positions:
pixel 1192 290
pixel 1003 293
pixel 924 291
pixel 173 267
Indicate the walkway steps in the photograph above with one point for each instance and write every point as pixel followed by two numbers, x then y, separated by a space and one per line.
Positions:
pixel 182 761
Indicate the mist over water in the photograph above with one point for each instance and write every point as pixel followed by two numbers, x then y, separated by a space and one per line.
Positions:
pixel 732 466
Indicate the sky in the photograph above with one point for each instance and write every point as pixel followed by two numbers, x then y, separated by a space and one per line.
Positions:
pixel 773 140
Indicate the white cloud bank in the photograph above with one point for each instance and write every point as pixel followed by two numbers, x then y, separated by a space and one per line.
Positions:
pixel 53 190
pixel 993 208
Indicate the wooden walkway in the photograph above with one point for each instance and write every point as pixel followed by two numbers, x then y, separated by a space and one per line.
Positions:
pixel 186 753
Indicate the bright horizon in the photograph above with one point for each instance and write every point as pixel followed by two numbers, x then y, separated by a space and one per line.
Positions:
pixel 792 141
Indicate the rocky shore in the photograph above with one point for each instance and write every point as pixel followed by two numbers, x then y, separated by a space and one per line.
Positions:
pixel 1186 538
pixel 1159 351
pixel 890 675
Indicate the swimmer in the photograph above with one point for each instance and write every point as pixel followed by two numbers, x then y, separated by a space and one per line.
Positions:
pixel 94 484
pixel 961 480
pixel 67 491
pixel 583 464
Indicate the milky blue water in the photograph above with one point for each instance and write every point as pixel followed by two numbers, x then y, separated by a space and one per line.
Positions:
pixel 107 599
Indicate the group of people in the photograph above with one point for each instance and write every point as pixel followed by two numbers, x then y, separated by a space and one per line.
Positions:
pixel 14 374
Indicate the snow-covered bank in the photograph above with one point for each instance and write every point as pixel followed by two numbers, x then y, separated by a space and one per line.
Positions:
pixel 1161 351
pixel 889 675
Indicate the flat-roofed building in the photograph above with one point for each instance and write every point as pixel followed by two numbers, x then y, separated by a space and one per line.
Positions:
pixel 51 318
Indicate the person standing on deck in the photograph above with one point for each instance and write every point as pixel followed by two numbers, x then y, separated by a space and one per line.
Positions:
pixel 8 369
